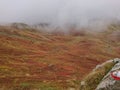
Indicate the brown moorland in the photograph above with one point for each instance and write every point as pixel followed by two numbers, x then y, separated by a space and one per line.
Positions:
pixel 33 59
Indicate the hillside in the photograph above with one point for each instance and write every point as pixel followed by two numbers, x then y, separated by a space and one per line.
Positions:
pixel 51 61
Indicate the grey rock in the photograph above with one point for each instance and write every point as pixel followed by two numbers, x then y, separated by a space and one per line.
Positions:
pixel 108 83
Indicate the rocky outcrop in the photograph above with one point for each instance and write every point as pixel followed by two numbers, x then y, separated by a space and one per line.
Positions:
pixel 20 26
pixel 108 83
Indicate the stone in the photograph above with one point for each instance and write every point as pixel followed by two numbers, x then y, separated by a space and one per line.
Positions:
pixel 82 83
pixel 108 83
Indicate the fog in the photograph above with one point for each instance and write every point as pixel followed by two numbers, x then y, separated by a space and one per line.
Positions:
pixel 60 12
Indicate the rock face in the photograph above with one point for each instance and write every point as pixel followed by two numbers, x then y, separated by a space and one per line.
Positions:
pixel 108 83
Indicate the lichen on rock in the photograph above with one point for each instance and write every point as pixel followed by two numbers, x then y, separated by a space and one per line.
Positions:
pixel 109 83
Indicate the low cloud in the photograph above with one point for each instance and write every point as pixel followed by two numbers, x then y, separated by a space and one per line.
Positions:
pixel 60 12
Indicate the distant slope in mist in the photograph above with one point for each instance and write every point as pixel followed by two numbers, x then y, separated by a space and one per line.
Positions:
pixel 29 57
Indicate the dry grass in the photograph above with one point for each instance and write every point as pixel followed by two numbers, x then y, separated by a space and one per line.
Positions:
pixel 32 56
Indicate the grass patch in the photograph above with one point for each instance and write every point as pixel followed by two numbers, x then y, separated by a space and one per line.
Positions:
pixel 91 81
pixel 35 86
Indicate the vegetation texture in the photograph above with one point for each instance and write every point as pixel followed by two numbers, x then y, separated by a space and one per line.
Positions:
pixel 94 78
pixel 31 59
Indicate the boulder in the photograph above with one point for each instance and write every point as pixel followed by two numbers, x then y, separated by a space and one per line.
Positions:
pixel 108 83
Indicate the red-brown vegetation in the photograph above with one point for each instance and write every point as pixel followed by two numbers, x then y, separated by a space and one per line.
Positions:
pixel 34 57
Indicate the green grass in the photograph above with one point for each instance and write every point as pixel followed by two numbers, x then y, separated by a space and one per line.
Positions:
pixel 94 78
pixel 36 86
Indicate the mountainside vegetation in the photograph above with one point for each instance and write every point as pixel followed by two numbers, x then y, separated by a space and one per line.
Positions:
pixel 31 59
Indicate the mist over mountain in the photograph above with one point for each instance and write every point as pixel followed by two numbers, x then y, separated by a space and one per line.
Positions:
pixel 80 13
pixel 55 44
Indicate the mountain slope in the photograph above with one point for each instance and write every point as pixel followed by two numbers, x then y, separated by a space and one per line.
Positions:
pixel 28 57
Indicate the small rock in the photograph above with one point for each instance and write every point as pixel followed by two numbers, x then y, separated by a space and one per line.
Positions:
pixel 97 67
pixel 116 60
pixel 27 75
pixel 82 83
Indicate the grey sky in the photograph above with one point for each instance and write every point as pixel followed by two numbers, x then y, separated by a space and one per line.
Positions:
pixel 59 11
